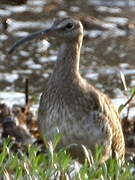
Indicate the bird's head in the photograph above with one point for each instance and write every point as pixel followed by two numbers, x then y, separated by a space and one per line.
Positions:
pixel 66 29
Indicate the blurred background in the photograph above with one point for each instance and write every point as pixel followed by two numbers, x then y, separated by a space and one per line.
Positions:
pixel 108 46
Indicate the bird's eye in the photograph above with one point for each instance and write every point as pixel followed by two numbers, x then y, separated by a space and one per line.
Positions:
pixel 69 26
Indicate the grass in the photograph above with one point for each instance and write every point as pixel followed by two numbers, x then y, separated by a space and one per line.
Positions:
pixel 33 164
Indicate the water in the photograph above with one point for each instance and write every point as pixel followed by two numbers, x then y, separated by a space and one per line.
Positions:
pixel 104 53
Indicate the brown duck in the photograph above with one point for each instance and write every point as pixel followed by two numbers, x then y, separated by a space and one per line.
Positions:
pixel 81 113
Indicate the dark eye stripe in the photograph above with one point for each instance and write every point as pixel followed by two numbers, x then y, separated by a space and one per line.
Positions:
pixel 65 27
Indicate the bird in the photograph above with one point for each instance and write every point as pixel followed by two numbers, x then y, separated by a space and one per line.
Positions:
pixel 71 105
pixel 20 134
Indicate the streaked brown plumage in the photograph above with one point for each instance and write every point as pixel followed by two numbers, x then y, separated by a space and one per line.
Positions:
pixel 82 113
pixel 20 134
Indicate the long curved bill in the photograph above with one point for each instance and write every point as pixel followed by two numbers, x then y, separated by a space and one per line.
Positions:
pixel 32 36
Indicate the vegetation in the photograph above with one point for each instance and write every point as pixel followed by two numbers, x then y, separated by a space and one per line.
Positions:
pixel 35 165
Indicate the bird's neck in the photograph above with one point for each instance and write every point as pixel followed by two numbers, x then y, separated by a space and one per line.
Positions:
pixel 67 65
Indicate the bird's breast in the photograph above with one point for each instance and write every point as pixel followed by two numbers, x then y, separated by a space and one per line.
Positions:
pixel 74 125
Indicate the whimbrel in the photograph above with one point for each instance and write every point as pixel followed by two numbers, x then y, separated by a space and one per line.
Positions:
pixel 19 133
pixel 82 113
